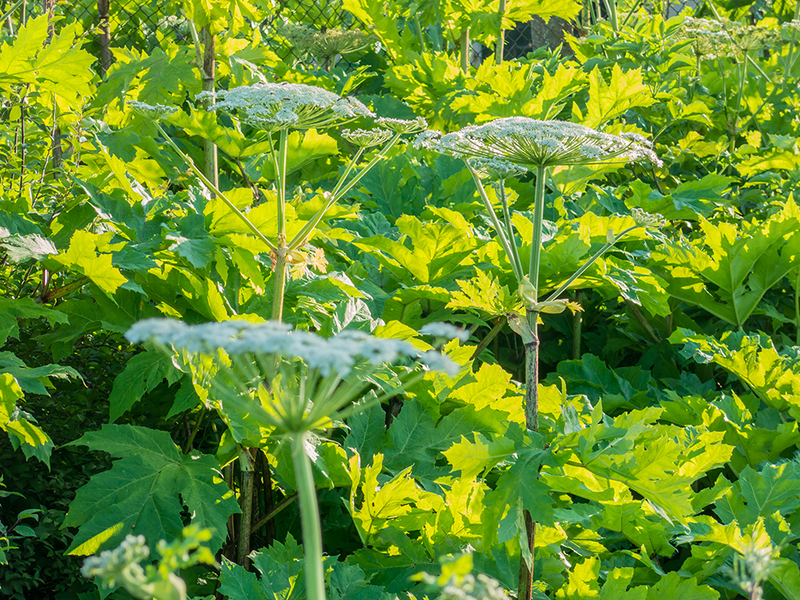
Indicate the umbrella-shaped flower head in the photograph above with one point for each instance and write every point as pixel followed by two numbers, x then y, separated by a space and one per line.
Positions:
pixel 533 143
pixel 276 106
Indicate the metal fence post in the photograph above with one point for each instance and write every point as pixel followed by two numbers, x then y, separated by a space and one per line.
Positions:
pixel 105 35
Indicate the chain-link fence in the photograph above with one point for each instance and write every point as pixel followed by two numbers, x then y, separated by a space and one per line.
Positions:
pixel 141 25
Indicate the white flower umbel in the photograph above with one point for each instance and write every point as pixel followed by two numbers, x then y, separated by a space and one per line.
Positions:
pixel 497 168
pixel 338 355
pixel 366 138
pixel 276 106
pixel 445 330
pixel 533 143
pixel 402 125
pixel 151 111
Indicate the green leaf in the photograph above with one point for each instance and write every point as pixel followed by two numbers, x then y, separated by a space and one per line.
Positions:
pixel 775 488
pixel 141 374
pixel 484 294
pixel 673 587
pixel 142 492
pixel 729 268
pixel 367 430
pixel 473 458
pixel 608 101
pixel 19 425
pixel 237 584
pixel 24 247
pixel 59 66
pixel 436 249
pixel 83 257
pixel 35 380
pixel 753 359
pixel 522 10
pixel 24 308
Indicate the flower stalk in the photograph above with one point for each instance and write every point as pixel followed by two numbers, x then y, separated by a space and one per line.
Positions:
pixel 309 519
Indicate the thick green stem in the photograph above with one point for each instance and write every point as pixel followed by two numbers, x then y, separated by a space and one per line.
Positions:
pixel 734 125
pixel 465 50
pixel 247 464
pixel 420 35
pixel 536 241
pixel 281 175
pixel 525 591
pixel 501 37
pixel 532 376
pixel 797 306
pixel 210 185
pixel 309 520
pixel 611 9
pixel 577 329
pixel 631 11
pixel 10 12
pixel 279 289
pixel 210 157
pixel 787 66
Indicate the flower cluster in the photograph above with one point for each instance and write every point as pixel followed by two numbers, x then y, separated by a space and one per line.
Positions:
pixel 470 587
pixel 175 23
pixel 403 125
pixel 497 168
pixel 151 111
pixel 276 106
pixel 646 219
pixel 531 143
pixel 338 354
pixel 445 330
pixel 324 44
pixel 111 563
pixel 365 138
pixel 721 37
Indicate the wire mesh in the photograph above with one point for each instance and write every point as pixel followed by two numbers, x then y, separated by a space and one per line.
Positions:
pixel 141 25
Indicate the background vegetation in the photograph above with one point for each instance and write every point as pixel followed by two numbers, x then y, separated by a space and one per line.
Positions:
pixel 666 464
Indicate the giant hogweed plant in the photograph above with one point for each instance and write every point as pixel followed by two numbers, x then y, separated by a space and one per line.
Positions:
pixel 272 111
pixel 507 147
pixel 292 384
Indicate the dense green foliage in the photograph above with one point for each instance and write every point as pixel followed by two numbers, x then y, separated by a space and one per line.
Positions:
pixel 665 465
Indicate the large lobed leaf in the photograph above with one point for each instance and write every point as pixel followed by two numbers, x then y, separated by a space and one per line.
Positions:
pixel 144 493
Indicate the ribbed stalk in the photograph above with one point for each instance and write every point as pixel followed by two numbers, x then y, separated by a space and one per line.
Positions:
pixel 210 160
pixel 309 520
pixel 465 50
pixel 538 217
pixel 247 464
pixel 501 37
pixel 280 284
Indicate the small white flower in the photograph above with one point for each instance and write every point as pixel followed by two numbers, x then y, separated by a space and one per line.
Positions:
pixel 436 361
